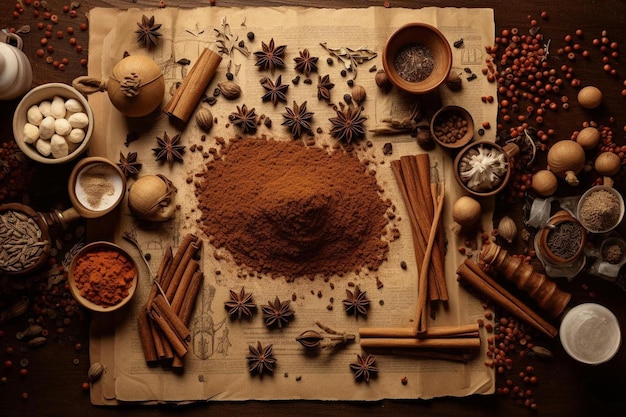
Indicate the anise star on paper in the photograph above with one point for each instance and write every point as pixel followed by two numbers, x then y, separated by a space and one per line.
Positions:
pixel 356 302
pixel 277 313
pixel 261 359
pixel 274 91
pixel 244 119
pixel 323 87
pixel 148 32
pixel 271 56
pixel 128 164
pixel 298 119
pixel 348 126
pixel 305 63
pixel 364 368
pixel 240 304
pixel 169 150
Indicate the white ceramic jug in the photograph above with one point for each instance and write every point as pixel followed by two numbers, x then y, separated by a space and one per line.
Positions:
pixel 16 74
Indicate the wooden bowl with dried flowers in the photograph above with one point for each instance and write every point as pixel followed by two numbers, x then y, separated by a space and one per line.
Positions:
pixel 102 277
pixel 483 168
pixel 417 58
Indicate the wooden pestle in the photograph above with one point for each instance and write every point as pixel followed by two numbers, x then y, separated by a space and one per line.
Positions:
pixel 544 291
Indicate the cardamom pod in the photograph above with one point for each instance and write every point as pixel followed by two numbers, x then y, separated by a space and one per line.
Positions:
pixel 37 341
pixel 230 90
pixel 32 330
pixel 204 118
pixel 507 229
pixel 95 371
pixel 16 309
pixel 541 352
pixel 310 339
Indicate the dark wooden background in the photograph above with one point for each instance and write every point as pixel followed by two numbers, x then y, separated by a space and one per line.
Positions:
pixel 565 388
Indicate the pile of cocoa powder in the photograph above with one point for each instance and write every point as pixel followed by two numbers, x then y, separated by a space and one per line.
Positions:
pixel 285 209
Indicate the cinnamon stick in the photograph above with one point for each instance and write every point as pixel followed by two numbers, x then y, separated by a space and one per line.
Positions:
pixel 186 255
pixel 415 343
pixel 470 273
pixel 145 337
pixel 186 307
pixel 188 95
pixel 465 330
pixel 181 290
pixel 164 310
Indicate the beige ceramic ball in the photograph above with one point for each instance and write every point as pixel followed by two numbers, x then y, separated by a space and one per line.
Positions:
pixel 590 97
pixel 588 138
pixel 544 183
pixel 466 211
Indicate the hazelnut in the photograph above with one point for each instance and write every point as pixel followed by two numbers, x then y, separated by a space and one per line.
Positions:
pixel 382 81
pixel 230 90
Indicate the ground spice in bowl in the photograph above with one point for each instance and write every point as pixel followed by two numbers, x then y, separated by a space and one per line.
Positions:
pixel 600 209
pixel 285 209
pixel 102 276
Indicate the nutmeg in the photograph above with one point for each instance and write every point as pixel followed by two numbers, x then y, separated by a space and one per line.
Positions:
pixel 507 229
pixel 230 90
pixel 454 82
pixel 382 81
pixel 358 94
pixel 204 119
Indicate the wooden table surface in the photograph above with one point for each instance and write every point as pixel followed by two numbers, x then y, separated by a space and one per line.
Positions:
pixel 57 370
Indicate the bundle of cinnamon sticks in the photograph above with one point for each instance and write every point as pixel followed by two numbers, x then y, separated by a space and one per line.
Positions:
pixel 163 322
pixel 471 274
pixel 456 343
pixel 424 201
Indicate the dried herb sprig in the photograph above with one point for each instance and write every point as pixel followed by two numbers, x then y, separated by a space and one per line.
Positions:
pixel 261 359
pixel 227 43
pixel 351 58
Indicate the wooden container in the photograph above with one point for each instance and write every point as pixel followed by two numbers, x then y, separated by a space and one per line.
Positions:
pixel 447 113
pixel 418 34
pixel 559 219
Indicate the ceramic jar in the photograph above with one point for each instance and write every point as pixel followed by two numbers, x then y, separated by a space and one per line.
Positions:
pixel 16 73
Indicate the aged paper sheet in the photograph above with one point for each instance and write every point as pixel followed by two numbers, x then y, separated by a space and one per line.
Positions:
pixel 216 368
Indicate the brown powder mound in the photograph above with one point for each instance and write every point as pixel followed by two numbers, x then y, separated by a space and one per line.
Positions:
pixel 288 210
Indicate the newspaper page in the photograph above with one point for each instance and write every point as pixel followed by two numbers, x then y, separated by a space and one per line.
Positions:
pixel 216 366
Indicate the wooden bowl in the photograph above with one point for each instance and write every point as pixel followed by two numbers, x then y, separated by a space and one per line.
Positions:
pixel 86 255
pixel 44 239
pixel 429 39
pixel 559 218
pixel 508 152
pixel 581 202
pixel 452 127
pixel 35 97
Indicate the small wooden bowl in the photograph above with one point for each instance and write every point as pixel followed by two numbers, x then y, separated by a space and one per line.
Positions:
pixel 509 151
pixel 103 168
pixel 432 39
pixel 587 193
pixel 86 302
pixel 45 236
pixel 543 235
pixel 463 121
pixel 35 97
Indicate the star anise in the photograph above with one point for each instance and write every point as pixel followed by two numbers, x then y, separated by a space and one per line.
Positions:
pixel 305 63
pixel 261 359
pixel 148 32
pixel 169 150
pixel 364 368
pixel 271 56
pixel 277 313
pixel 348 126
pixel 298 119
pixel 356 302
pixel 240 304
pixel 274 91
pixel 128 164
pixel 244 119
pixel 323 87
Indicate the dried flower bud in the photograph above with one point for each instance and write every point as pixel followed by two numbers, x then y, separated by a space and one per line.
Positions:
pixel 204 118
pixel 382 81
pixel 310 339
pixel 230 90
